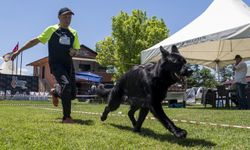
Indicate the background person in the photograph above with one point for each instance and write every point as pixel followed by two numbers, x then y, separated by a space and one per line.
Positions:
pixel 63 43
pixel 240 69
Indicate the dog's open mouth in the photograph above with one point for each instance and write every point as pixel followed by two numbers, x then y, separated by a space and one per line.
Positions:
pixel 177 76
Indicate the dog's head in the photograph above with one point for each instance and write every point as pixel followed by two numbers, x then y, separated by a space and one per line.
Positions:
pixel 174 63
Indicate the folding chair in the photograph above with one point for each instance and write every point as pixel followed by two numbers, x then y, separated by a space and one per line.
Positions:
pixel 222 94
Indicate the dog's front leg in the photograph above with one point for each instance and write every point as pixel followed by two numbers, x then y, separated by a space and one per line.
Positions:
pixel 142 115
pixel 159 113
pixel 105 113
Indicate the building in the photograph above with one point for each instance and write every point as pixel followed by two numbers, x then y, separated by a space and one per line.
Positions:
pixel 84 61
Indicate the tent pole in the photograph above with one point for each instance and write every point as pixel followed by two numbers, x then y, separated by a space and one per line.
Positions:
pixel 218 69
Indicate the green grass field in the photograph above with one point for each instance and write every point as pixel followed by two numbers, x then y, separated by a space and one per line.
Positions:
pixel 37 125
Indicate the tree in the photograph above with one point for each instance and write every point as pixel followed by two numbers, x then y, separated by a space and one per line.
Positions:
pixel 106 51
pixel 201 77
pixel 207 79
pixel 130 35
pixel 226 73
pixel 193 81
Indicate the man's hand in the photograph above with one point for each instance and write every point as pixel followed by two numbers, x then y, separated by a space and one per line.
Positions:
pixel 14 55
pixel 73 52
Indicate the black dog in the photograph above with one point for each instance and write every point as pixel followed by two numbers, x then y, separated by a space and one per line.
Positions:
pixel 145 87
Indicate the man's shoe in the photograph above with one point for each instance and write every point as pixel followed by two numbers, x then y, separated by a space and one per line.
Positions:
pixel 54 98
pixel 68 120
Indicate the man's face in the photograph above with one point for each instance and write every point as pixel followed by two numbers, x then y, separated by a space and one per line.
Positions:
pixel 65 19
pixel 237 60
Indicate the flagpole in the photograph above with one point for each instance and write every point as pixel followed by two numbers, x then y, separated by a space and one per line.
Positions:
pixel 16 64
pixel 21 63
pixel 12 68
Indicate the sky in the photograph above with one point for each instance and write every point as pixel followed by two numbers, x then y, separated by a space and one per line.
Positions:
pixel 23 20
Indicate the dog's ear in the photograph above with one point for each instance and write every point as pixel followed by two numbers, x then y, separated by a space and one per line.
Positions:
pixel 164 52
pixel 174 49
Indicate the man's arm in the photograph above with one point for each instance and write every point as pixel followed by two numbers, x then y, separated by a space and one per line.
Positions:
pixel 239 66
pixel 28 45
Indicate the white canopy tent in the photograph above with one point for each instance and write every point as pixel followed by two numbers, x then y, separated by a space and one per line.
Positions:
pixel 213 38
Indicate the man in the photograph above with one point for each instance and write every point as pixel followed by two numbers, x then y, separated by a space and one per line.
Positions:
pixel 240 69
pixel 63 43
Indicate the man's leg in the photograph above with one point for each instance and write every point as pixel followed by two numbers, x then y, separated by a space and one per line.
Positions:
pixel 240 93
pixel 62 76
pixel 237 86
pixel 66 97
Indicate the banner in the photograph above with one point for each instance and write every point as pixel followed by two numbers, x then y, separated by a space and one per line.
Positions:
pixel 18 83
pixel 16 47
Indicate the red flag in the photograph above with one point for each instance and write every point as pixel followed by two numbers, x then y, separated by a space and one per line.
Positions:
pixel 16 47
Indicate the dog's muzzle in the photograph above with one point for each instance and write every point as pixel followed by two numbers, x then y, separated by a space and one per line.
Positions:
pixel 186 71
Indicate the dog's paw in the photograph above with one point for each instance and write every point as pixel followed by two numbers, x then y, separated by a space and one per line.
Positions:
pixel 180 133
pixel 105 114
pixel 137 130
pixel 103 117
pixel 133 123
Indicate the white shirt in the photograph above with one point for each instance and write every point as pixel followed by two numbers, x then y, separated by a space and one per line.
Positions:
pixel 240 73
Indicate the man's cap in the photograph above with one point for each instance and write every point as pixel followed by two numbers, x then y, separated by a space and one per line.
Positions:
pixel 237 56
pixel 65 10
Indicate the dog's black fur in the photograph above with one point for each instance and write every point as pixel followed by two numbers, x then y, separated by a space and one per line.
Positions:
pixel 145 87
